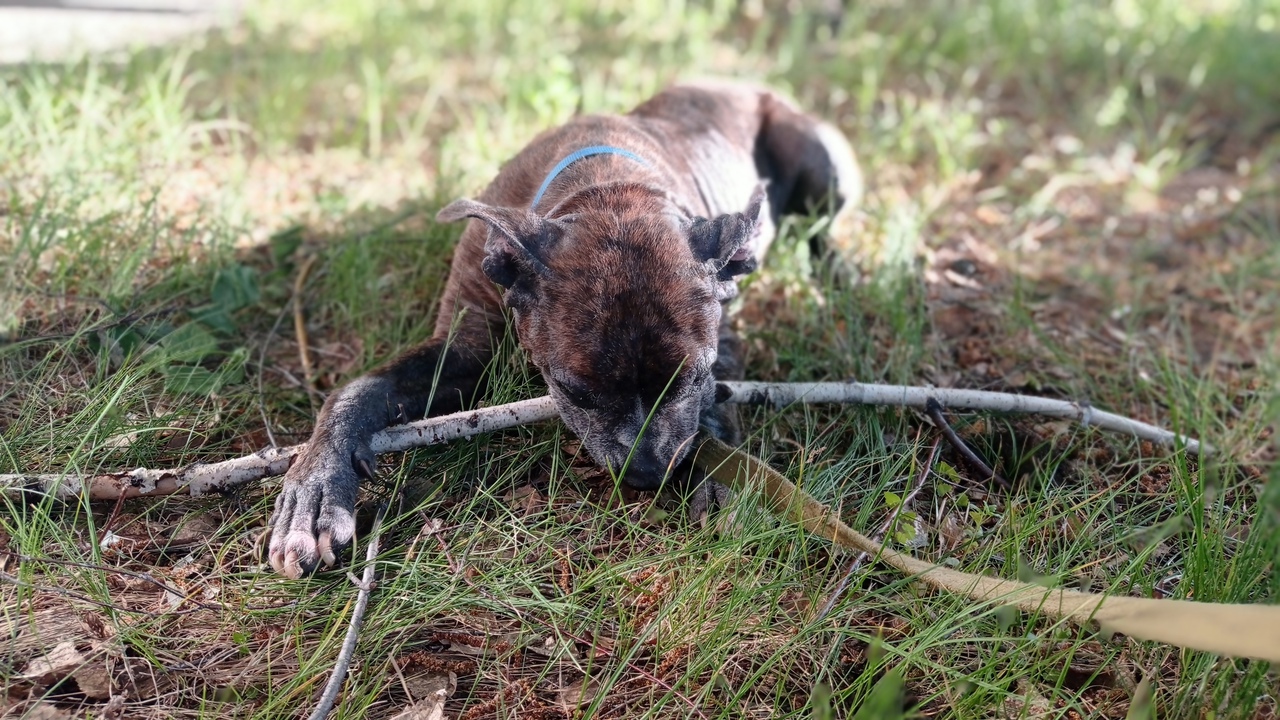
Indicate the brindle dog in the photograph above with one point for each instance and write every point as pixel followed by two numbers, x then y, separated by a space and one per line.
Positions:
pixel 615 242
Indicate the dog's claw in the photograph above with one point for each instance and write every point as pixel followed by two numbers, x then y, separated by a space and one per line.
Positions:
pixel 292 568
pixel 325 548
pixel 314 517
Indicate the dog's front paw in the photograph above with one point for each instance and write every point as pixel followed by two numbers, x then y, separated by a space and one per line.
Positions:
pixel 708 498
pixel 314 518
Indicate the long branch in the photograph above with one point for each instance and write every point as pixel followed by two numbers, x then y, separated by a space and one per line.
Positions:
pixel 782 394
pixel 204 478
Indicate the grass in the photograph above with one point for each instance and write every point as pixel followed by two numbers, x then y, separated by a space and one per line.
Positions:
pixel 1070 199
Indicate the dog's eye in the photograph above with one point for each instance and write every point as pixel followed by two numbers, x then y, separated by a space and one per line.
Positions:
pixel 581 397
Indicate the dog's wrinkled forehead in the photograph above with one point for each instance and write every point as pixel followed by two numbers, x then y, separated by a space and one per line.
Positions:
pixel 616 284
pixel 626 309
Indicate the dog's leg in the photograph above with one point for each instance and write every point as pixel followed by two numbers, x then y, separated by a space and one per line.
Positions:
pixel 313 518
pixel 813 168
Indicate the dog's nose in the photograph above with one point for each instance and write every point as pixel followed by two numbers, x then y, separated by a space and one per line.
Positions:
pixel 645 472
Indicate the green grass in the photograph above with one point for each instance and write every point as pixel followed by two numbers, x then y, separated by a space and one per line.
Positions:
pixel 1070 199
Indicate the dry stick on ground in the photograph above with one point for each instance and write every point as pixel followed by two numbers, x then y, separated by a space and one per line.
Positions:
pixel 343 662
pixel 934 409
pixel 888 523
pixel 202 478
pixel 1240 630
pixel 1230 629
pixel 111 519
pixel 300 331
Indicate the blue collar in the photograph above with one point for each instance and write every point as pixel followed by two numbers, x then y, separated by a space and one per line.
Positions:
pixel 577 155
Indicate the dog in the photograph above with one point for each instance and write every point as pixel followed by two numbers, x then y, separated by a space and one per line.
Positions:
pixel 613 244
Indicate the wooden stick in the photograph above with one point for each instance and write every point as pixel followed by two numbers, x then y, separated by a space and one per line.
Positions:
pixel 300 331
pixel 343 662
pixel 204 478
pixel 783 394
pixel 934 409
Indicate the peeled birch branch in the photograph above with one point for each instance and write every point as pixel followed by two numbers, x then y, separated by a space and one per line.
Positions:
pixel 204 478
pixel 781 394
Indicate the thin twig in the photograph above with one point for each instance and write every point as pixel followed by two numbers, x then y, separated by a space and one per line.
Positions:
pixel 201 478
pixel 300 331
pixel 111 519
pixel 879 536
pixel 934 409
pixel 783 394
pixel 353 631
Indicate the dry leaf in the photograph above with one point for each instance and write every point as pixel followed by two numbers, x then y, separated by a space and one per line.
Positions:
pixel 114 709
pixel 525 500
pixel 424 685
pixel 44 711
pixel 53 665
pixel 950 533
pixel 578 694
pixel 431 708
pixel 484 645
pixel 794 603
pixel 550 647
pixel 63 661
pixel 93 679
pixel 431 691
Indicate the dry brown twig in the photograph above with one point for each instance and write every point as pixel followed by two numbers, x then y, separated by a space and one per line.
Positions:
pixel 300 331
pixel 203 478
pixel 343 662
pixel 934 409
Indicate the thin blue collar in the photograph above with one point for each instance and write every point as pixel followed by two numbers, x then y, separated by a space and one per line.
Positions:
pixel 577 155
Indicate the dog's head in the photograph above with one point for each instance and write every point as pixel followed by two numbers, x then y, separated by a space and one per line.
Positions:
pixel 616 297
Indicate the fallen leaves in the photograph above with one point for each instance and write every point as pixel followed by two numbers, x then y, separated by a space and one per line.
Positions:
pixel 87 669
pixel 577 694
pixel 431 692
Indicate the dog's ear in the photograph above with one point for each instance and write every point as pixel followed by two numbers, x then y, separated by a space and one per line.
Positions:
pixel 723 244
pixel 517 243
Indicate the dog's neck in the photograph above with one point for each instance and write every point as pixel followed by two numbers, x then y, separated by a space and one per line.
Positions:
pixel 577 155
